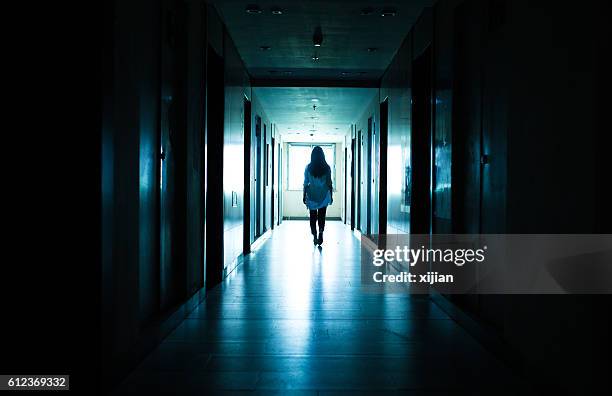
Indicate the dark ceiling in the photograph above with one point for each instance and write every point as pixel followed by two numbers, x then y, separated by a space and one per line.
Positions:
pixel 347 35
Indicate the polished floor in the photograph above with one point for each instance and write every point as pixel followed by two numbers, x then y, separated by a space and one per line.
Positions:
pixel 293 320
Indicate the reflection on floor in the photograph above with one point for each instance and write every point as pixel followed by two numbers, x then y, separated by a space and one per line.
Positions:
pixel 293 320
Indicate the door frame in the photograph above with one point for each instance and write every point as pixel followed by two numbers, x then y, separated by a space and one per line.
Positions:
pixel 272 184
pixel 246 232
pixel 257 176
pixel 359 176
pixel 369 174
pixel 353 163
pixel 421 142
pixel 382 192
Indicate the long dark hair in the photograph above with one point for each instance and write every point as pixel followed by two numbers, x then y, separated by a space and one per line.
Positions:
pixel 318 166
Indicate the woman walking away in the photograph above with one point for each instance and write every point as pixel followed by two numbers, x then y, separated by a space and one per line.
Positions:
pixel 317 192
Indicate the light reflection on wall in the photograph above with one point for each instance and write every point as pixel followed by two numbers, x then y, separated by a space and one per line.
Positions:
pixel 234 165
pixel 395 170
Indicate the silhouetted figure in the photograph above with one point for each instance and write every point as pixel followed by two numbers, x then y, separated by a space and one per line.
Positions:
pixel 317 192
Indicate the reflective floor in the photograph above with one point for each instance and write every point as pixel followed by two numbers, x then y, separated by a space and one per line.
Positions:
pixel 293 320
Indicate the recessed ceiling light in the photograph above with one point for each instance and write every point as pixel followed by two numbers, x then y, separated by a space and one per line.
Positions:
pixel 277 11
pixel 264 48
pixel 372 49
pixel 317 37
pixel 315 58
pixel 314 100
pixel 388 12
pixel 253 9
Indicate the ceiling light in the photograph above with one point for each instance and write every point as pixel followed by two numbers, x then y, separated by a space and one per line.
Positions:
pixel 388 12
pixel 314 100
pixel 372 49
pixel 264 48
pixel 253 9
pixel 277 11
pixel 315 57
pixel 317 37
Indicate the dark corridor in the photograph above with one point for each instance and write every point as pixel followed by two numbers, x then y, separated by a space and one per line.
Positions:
pixel 468 117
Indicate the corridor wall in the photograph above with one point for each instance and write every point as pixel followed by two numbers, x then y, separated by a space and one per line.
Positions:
pixel 152 204
pixel 515 151
pixel 266 191
pixel 396 86
pixel 237 87
pixel 368 160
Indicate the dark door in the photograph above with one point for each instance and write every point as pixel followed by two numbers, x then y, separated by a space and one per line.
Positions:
pixel 173 134
pixel 382 197
pixel 280 184
pixel 420 210
pixel 273 201
pixel 359 199
pixel 369 181
pixel 265 179
pixel 246 237
pixel 257 176
pixel 353 160
pixel 467 111
pixel 214 192
pixel 345 184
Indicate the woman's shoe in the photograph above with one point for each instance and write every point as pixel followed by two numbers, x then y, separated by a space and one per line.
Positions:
pixel 320 238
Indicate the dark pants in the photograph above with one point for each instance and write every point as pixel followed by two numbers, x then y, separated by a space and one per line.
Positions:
pixel 317 216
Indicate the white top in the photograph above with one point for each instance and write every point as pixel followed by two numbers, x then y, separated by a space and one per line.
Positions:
pixel 318 190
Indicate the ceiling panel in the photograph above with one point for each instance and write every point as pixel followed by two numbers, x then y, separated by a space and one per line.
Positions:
pixel 335 108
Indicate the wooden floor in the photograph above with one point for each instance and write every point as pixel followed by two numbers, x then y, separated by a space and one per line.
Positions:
pixel 293 320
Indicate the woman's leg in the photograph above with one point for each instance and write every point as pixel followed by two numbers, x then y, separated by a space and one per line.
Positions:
pixel 321 220
pixel 313 222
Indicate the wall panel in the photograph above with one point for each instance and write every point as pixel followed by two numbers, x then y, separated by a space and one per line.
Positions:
pixel 237 86
pixel 396 86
